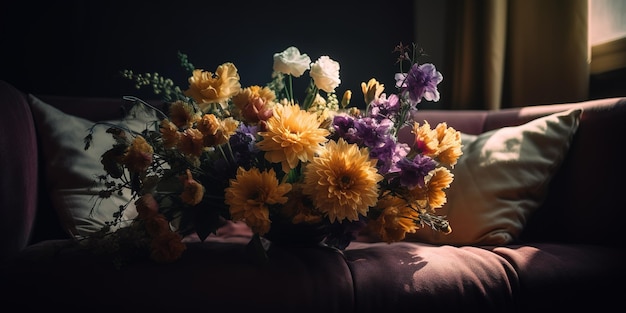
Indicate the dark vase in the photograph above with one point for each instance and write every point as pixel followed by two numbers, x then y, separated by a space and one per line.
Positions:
pixel 302 234
pixel 286 234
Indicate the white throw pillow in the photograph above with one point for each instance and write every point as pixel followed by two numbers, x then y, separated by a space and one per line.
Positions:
pixel 71 172
pixel 501 179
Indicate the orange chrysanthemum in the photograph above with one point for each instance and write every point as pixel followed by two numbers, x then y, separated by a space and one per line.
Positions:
pixel 208 88
pixel 191 142
pixel 255 103
pixel 292 135
pixel 147 206
pixel 138 155
pixel 396 219
pixel 441 179
pixel 342 181
pixel 425 139
pixel 299 208
pixel 449 144
pixel 169 134
pixel 167 247
pixel 215 131
pixel 193 191
pixel 432 196
pixel 251 193
pixel 182 114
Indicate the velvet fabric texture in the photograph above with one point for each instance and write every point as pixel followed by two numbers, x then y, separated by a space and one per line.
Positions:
pixel 18 168
pixel 569 256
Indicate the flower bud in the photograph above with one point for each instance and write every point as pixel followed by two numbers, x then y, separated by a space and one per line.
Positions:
pixel 347 96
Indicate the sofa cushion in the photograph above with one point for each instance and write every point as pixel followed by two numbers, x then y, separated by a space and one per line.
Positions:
pixel 501 179
pixel 71 171
pixel 404 277
pixel 567 277
pixel 216 275
pixel 407 277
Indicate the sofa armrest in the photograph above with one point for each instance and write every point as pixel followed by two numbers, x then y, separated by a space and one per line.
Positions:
pixel 19 167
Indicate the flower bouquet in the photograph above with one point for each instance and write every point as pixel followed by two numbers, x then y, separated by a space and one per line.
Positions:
pixel 316 171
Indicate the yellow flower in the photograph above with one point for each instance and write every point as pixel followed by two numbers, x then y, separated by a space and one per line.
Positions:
pixel 251 193
pixel 193 191
pixel 395 220
pixel 345 100
pixel 371 90
pixel 449 144
pixel 432 196
pixel 292 135
pixel 342 181
pixel 441 179
pixel 208 88
pixel 138 155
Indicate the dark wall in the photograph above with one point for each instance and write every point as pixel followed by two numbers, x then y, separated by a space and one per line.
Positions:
pixel 79 47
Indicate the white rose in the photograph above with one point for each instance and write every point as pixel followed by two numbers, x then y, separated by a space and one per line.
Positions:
pixel 291 62
pixel 325 74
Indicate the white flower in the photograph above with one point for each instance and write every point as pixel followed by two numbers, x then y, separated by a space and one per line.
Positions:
pixel 291 62
pixel 325 74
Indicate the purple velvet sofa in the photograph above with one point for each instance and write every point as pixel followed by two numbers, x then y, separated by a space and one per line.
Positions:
pixel 570 254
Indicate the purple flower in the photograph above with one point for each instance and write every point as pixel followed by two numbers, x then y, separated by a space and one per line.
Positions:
pixel 420 82
pixel 413 172
pixel 388 154
pixel 384 107
pixel 344 128
pixel 372 133
pixel 243 145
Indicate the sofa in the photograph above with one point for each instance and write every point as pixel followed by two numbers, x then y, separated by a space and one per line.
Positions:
pixel 561 214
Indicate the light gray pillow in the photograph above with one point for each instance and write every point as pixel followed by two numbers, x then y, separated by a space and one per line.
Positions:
pixel 501 179
pixel 72 172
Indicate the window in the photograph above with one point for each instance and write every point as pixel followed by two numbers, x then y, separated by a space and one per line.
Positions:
pixel 607 35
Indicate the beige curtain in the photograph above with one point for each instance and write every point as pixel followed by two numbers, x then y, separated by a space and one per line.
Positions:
pixel 512 53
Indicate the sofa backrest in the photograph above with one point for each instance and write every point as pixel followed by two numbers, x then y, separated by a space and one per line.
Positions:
pixel 18 171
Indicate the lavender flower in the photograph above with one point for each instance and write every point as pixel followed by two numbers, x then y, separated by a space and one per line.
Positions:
pixel 373 133
pixel 243 145
pixel 344 128
pixel 413 172
pixel 420 82
pixel 383 107
pixel 389 154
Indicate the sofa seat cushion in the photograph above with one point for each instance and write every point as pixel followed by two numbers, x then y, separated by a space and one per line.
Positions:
pixel 429 277
pixel 553 277
pixel 212 276
pixel 481 279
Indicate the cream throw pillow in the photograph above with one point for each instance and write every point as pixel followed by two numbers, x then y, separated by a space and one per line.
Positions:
pixel 501 179
pixel 72 172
